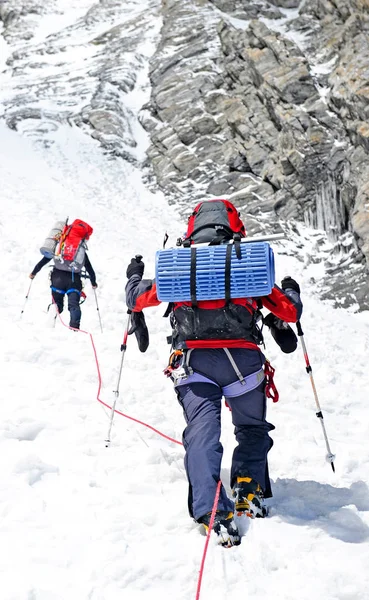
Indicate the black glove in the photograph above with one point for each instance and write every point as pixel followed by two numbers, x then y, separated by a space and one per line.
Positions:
pixel 139 328
pixel 288 283
pixel 135 267
pixel 282 333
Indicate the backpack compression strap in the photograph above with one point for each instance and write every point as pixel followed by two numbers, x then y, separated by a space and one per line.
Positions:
pixel 227 274
pixel 193 277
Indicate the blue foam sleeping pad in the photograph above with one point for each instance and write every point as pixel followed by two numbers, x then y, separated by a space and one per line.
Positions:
pixel 251 276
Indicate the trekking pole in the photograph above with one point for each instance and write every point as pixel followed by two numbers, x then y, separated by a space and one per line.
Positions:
pixel 330 457
pixel 25 302
pixel 116 392
pixel 98 311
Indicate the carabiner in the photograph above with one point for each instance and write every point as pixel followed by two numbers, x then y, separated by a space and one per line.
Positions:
pixel 175 362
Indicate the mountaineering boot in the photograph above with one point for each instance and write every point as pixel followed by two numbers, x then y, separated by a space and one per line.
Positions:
pixel 224 527
pixel 74 325
pixel 249 498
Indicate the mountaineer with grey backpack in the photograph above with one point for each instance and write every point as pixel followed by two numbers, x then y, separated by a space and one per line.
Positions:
pixel 216 287
pixel 66 246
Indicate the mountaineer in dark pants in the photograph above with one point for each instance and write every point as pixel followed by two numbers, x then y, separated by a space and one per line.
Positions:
pixel 216 353
pixel 70 284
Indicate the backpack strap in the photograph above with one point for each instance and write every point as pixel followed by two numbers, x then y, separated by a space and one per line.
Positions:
pixel 168 309
pixel 227 274
pixel 193 277
pixel 237 245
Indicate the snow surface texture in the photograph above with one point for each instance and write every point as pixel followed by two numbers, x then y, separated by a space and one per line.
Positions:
pixel 80 521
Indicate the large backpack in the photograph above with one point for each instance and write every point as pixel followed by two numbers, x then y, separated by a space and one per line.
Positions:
pixel 213 222
pixel 221 267
pixel 200 283
pixel 71 248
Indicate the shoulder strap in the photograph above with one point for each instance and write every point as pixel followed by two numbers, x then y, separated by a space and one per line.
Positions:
pixel 168 310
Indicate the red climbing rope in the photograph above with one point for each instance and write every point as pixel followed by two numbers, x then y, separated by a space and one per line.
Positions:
pixel 167 437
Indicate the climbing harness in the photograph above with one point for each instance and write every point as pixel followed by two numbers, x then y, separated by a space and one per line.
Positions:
pixel 81 293
pixel 181 373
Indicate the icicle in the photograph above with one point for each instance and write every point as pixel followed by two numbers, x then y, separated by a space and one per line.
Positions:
pixel 329 209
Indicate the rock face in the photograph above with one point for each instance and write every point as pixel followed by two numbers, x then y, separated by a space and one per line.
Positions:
pixel 266 102
pixel 270 105
pixel 105 67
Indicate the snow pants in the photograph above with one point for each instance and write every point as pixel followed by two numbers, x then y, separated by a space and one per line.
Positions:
pixel 70 284
pixel 201 403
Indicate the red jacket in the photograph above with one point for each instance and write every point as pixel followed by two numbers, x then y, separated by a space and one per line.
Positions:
pixel 213 324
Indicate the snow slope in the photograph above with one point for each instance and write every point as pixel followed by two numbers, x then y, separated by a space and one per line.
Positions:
pixel 80 521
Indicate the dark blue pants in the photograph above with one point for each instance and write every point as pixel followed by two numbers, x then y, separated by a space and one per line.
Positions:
pixel 67 282
pixel 201 404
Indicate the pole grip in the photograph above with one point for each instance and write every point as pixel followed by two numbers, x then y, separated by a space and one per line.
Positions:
pixel 299 329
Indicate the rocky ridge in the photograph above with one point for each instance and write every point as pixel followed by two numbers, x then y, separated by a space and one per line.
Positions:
pixel 265 103
pixel 269 105
pixel 86 83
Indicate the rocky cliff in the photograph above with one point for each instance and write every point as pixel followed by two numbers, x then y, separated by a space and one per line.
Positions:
pixel 263 101
pixel 269 102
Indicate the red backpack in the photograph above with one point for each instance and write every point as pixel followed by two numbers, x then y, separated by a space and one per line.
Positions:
pixel 214 222
pixel 71 249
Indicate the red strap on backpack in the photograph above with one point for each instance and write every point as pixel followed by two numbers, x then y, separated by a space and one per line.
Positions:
pixel 270 388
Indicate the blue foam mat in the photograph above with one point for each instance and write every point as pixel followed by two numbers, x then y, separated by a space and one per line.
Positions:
pixel 251 276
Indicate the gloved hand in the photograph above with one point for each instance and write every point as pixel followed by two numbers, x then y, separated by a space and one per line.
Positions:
pixel 135 267
pixel 139 328
pixel 94 285
pixel 288 283
pixel 31 276
pixel 282 333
